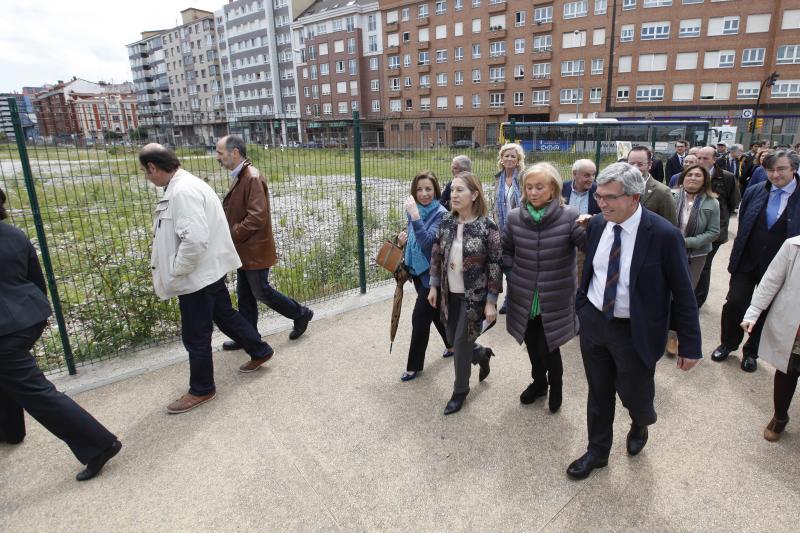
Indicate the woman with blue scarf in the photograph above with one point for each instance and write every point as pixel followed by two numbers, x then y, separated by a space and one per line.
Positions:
pixel 511 162
pixel 424 213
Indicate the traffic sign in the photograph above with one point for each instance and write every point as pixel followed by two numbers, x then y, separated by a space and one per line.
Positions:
pixel 747 113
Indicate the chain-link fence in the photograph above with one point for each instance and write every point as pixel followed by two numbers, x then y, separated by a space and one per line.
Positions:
pixel 337 189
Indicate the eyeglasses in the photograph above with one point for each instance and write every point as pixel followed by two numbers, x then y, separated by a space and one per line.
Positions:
pixel 607 197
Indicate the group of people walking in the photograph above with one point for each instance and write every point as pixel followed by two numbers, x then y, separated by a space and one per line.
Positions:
pixel 628 280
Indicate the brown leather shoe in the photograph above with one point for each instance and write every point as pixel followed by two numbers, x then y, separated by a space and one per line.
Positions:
pixel 189 401
pixel 774 429
pixel 253 364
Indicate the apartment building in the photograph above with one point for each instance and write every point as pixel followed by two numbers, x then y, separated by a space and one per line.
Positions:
pixel 540 60
pixel 110 115
pixel 149 70
pixel 258 68
pixel 340 70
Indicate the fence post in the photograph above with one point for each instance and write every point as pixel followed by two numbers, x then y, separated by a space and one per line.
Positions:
pixel 37 220
pixel 598 147
pixel 512 131
pixel 362 264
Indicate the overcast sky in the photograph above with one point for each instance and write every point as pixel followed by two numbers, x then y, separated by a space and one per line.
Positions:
pixel 43 41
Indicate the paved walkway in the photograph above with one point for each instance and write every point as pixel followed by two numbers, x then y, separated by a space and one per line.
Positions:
pixel 327 438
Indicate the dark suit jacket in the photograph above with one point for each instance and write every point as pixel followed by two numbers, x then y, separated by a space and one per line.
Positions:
pixel 661 295
pixel 673 165
pixel 23 300
pixel 657 170
pixel 566 192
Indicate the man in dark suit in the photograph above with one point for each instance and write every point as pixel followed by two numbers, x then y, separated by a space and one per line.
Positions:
pixel 675 162
pixel 769 214
pixel 635 287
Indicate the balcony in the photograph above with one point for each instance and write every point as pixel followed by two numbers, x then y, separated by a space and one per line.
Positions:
pixel 540 27
pixel 542 54
pixel 500 110
pixel 497 85
pixel 499 7
pixel 424 68
pixel 497 60
pixel 424 91
pixel 540 83
pixel 424 45
pixel 422 21
pixel 497 32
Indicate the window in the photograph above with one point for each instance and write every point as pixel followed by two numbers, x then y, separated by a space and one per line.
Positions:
pixel 424 35
pixel 599 37
pixel 476 25
pixel 690 28
pixel 655 30
pixel 652 62
pixel 441 32
pixel 476 51
pixel 626 33
pixel 404 14
pixel 327 109
pixel 791 21
pixel 657 3
pixel 575 9
pixel 476 101
pixel 407 82
pixel 686 2
pixel 406 60
pixel 394 62
pixel 458 5
pixel 519 46
pixel 683 92
pixel 395 106
pixel 519 99
pixel 786 89
pixel 425 103
pixel 458 77
pixel 340 66
pixel 476 75
pixel 324 69
pixel 341 87
pixel 394 84
pixel 422 11
pixel 342 108
pixel 374 85
pixel 371 23
pixel 423 58
pixel 595 95
pixel 719 59
pixel 459 53
pixel 441 56
pixel 393 40
pixel 376 105
pixel 597 66
pixel 571 96
pixel 543 15
pixel 600 7
pixel 686 61
pixel 424 81
pixel 441 79
pixel 373 63
pixel 459 102
pixel 573 39
pixel 715 91
pixel 541 97
pixel 748 90
pixel 753 57
pixel 572 68
pixel 519 72
pixel 758 23
pixel 372 45
pixel 623 93
pixel 723 26
pixel 441 102
pixel 628 4
pixel 788 54
pixel 352 67
pixel 542 43
pixel 649 93
pixel 440 7
pixel 541 71
pixel 497 99
pixel 497 48
pixel 497 74
pixel 519 19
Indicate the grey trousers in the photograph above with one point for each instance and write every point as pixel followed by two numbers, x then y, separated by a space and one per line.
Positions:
pixel 696 265
pixel 466 353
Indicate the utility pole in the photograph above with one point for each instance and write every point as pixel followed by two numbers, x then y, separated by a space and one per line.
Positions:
pixel 769 81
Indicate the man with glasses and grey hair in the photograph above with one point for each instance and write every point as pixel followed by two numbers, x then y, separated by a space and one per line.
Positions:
pixel 460 163
pixel 578 192
pixel 768 215
pixel 635 285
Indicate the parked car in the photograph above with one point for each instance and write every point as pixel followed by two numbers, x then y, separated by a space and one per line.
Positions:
pixel 465 143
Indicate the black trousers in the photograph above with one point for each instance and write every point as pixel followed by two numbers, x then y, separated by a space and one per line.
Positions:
pixel 24 386
pixel 740 291
pixel 612 367
pixel 704 282
pixel 421 320
pixel 546 366
pixel 202 309
pixel 252 286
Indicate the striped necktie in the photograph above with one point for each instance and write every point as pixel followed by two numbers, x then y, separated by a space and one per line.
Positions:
pixel 612 276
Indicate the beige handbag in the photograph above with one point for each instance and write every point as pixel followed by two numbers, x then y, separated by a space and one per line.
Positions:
pixel 390 257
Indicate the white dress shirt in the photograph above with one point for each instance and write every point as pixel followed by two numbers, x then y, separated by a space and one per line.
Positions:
pixel 597 286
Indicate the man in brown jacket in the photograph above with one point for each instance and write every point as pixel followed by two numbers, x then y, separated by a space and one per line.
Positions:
pixel 248 212
pixel 657 197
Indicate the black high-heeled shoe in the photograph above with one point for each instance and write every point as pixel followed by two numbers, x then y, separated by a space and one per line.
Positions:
pixel 455 403
pixel 484 372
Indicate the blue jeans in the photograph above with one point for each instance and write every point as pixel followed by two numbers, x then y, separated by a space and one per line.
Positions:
pixel 252 286
pixel 202 309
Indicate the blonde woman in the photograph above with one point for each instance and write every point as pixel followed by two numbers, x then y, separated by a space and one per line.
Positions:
pixel 510 163
pixel 465 267
pixel 539 245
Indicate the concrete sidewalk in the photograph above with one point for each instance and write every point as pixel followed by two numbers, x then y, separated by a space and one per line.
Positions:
pixel 326 437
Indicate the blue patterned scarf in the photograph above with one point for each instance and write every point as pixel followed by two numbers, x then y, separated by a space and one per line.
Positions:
pixel 414 258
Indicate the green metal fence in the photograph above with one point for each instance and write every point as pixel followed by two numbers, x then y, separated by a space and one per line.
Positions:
pixel 337 190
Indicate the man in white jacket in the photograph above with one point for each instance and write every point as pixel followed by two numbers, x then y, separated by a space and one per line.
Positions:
pixel 192 254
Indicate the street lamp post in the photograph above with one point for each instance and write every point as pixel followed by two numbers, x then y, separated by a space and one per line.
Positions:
pixel 769 81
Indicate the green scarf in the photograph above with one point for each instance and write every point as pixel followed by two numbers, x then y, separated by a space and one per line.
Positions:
pixel 536 215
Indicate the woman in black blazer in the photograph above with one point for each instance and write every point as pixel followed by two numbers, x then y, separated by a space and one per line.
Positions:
pixel 23 316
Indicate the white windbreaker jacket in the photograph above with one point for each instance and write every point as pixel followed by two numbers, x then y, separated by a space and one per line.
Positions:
pixel 192 245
